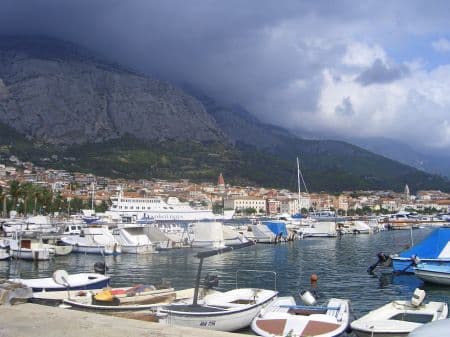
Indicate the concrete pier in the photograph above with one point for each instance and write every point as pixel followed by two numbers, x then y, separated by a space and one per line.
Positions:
pixel 35 320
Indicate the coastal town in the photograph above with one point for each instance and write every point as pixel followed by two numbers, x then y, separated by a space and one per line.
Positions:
pixel 90 190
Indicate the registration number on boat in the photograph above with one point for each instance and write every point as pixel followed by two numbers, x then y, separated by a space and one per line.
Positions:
pixel 207 323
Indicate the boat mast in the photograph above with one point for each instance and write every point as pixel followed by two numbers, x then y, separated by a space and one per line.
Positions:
pixel 93 196
pixel 298 182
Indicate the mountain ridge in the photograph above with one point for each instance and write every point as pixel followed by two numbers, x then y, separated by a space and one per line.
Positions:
pixel 119 122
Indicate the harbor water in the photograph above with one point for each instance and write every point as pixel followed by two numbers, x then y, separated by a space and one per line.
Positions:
pixel 340 264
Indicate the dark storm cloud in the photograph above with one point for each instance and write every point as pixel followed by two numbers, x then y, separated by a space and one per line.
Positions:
pixel 380 72
pixel 275 58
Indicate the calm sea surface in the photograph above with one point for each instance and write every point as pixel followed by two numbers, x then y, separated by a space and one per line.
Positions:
pixel 340 263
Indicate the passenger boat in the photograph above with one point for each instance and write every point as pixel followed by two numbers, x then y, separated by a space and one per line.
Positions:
pixel 434 249
pixel 437 274
pixel 399 318
pixel 228 311
pixel 80 281
pixel 283 317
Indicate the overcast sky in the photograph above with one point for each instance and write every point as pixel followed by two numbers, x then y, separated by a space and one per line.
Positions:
pixel 351 68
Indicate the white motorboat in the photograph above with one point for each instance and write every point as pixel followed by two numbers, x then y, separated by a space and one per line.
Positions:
pixel 133 239
pixel 283 317
pixel 433 273
pixel 63 281
pixel 433 329
pixel 29 248
pixel 228 311
pixel 399 318
pixel 93 240
pixel 208 234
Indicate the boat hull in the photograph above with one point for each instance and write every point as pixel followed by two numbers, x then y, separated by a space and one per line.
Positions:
pixel 138 249
pixel 81 281
pixel 31 254
pixel 214 316
pixel 433 274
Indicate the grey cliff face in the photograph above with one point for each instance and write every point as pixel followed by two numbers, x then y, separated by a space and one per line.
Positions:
pixel 75 100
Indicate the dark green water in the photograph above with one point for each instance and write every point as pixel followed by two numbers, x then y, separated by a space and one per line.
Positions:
pixel 340 264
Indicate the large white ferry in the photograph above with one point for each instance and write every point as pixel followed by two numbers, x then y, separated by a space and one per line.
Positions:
pixel 159 209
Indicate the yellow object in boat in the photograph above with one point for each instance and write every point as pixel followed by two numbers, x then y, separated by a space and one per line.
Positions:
pixel 105 296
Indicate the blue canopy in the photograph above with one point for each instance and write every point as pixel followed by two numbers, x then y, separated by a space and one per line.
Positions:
pixel 430 247
pixel 277 227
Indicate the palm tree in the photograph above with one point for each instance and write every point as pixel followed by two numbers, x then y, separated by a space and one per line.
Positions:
pixel 15 192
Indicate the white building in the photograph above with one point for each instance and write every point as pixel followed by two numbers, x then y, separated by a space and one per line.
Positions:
pixel 241 203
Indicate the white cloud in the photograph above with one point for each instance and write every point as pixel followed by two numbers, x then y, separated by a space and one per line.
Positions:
pixel 442 45
pixel 362 55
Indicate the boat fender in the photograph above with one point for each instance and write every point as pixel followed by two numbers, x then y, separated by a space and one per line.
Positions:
pixel 307 297
pixel 104 296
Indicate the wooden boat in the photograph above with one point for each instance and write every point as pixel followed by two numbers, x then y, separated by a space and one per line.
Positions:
pixel 399 318
pixel 80 281
pixel 124 300
pixel 228 311
pixel 433 273
pixel 284 318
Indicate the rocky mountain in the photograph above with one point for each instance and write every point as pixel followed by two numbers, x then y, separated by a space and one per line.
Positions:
pixel 52 92
pixel 114 121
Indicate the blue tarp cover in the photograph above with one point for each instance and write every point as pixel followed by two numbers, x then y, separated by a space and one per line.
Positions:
pixel 431 246
pixel 276 227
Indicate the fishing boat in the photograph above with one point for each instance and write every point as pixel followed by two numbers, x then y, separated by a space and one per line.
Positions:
pixel 283 317
pixel 61 280
pixel 228 311
pixel 432 273
pixel 29 248
pixel 434 249
pixel 399 318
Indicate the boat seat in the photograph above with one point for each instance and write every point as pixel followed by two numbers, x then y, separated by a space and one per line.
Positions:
pixel 305 312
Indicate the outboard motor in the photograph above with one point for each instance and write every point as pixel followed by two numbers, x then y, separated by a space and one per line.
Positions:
pixel 100 267
pixel 211 281
pixel 307 297
pixel 418 297
pixel 381 258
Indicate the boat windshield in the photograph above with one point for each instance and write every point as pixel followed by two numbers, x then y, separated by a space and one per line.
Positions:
pixel 413 317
